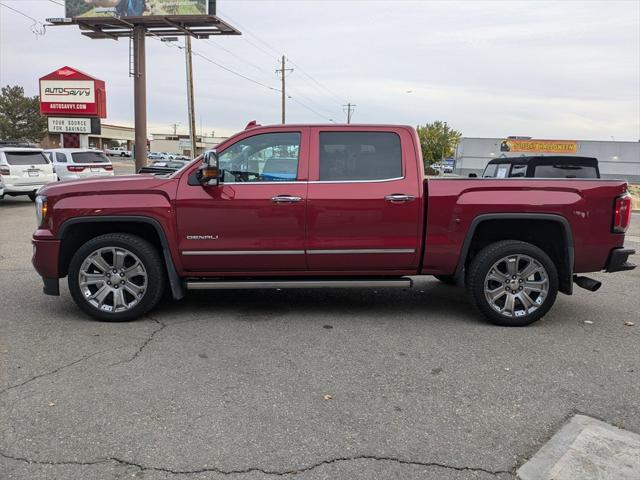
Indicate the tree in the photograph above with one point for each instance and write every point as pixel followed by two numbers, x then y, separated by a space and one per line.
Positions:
pixel 438 141
pixel 20 117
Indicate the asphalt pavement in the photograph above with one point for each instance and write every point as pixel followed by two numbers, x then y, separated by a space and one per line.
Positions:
pixel 304 384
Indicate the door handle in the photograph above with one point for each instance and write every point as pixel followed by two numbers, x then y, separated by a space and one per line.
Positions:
pixel 399 198
pixel 286 199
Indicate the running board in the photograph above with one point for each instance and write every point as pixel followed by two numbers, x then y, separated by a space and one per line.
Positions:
pixel 257 284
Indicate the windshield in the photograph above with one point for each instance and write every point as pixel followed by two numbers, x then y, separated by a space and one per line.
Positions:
pixel 26 158
pixel 89 157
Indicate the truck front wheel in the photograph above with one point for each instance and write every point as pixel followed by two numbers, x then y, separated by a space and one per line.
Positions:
pixel 512 283
pixel 116 277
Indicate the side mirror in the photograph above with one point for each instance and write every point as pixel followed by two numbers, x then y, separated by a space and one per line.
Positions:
pixel 209 172
pixel 473 175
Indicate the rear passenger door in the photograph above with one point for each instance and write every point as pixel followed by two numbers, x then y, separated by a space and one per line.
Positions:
pixel 364 200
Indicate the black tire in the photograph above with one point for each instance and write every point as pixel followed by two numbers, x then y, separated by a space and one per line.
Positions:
pixel 148 256
pixel 485 260
pixel 32 196
pixel 446 279
pixel 123 154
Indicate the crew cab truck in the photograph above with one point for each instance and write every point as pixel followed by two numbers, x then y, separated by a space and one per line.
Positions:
pixel 310 206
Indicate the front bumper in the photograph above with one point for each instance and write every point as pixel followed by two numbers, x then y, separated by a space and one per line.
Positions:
pixel 46 252
pixel 618 260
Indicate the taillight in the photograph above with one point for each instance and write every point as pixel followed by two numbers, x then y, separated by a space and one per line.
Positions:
pixel 622 213
pixel 5 171
pixel 72 168
pixel 108 168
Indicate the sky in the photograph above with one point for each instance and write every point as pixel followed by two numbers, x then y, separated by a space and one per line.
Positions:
pixel 560 70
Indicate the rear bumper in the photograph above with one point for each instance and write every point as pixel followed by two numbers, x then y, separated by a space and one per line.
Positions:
pixel 45 260
pixel 618 260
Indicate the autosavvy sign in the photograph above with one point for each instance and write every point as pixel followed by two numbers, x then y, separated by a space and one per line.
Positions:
pixel 68 91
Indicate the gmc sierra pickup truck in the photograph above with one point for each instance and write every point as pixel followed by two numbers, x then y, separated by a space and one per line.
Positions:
pixel 309 206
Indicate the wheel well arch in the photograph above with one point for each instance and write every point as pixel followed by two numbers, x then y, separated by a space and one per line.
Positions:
pixel 550 232
pixel 76 231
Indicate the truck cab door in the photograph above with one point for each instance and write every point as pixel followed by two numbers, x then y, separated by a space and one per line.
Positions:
pixel 254 220
pixel 365 201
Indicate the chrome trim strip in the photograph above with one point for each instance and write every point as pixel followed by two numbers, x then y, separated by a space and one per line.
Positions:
pixel 362 250
pixel 189 253
pixel 296 182
pixel 242 252
pixel 358 181
pixel 257 284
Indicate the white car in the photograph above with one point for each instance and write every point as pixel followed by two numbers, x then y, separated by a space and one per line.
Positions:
pixel 23 171
pixel 118 152
pixel 77 163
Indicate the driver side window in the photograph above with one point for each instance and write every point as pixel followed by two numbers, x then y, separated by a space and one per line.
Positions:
pixel 268 157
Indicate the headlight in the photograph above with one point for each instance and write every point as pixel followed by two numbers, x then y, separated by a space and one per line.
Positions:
pixel 41 209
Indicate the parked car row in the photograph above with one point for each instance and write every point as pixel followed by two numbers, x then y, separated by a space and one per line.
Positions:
pixel 166 156
pixel 25 169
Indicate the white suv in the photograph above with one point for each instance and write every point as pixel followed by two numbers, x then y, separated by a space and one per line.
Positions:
pixel 23 171
pixel 77 163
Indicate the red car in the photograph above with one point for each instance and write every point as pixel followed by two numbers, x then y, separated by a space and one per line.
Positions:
pixel 309 206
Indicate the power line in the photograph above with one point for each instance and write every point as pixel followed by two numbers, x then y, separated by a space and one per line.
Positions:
pixel 234 72
pixel 233 54
pixel 311 109
pixel 309 76
pixel 38 28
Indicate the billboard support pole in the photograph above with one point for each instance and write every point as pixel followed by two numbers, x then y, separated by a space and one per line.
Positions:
pixel 140 96
pixel 190 99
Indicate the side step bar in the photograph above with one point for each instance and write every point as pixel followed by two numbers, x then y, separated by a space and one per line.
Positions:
pixel 253 284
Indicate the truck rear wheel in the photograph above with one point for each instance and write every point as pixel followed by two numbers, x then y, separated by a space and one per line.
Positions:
pixel 512 283
pixel 116 277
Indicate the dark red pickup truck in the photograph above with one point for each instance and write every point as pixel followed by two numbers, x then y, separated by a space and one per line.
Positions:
pixel 307 206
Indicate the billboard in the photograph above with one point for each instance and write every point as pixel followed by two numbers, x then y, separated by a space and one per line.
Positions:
pixel 68 91
pixel 138 8
pixel 539 146
pixel 73 125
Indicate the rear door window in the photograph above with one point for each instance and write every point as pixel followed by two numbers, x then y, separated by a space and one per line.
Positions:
pixel 349 156
pixel 89 157
pixel 565 171
pixel 26 158
pixel 61 157
pixel 518 171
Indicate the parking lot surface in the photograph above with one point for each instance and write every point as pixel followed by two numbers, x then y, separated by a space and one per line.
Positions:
pixel 305 384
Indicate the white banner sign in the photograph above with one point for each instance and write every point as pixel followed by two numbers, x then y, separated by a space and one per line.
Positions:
pixel 69 125
pixel 68 91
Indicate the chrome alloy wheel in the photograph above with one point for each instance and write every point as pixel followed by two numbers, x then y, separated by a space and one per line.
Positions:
pixel 112 279
pixel 516 285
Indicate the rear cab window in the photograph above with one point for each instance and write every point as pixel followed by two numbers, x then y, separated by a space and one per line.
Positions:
pixel 26 158
pixel 565 171
pixel 89 157
pixel 359 156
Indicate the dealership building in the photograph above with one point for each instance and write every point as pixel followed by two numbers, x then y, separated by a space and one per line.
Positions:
pixel 619 160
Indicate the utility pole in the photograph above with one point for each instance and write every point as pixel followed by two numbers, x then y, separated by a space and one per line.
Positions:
pixel 192 114
pixel 175 127
pixel 349 108
pixel 139 96
pixel 283 72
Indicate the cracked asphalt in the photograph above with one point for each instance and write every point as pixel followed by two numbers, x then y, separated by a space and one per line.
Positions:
pixel 231 384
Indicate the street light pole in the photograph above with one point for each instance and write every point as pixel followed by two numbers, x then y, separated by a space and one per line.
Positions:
pixel 140 96
pixel 190 100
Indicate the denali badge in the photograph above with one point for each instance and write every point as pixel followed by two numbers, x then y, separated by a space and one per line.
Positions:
pixel 202 237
